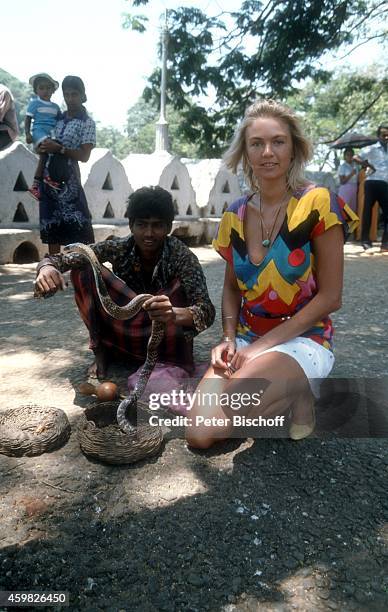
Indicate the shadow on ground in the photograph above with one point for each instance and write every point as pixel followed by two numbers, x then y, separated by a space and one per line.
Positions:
pixel 283 523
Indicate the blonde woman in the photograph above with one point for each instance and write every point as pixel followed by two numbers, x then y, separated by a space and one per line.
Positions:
pixel 283 247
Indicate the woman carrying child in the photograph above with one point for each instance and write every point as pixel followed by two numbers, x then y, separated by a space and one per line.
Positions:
pixel 64 213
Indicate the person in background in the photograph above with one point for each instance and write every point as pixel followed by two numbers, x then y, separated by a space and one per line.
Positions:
pixel 376 186
pixel 64 212
pixel 43 115
pixel 347 173
pixel 9 129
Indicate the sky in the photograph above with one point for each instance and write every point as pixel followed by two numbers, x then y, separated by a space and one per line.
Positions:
pixel 86 38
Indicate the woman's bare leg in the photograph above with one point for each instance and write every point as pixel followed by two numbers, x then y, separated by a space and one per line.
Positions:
pixel 197 435
pixel 278 375
pixel 303 409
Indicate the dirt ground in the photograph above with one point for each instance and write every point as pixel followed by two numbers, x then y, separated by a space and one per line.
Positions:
pixel 250 525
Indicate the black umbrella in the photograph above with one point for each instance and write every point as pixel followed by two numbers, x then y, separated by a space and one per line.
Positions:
pixel 353 139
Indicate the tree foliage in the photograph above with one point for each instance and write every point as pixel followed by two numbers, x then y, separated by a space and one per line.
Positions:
pixel 264 48
pixel 329 108
pixel 111 138
pixel 140 130
pixel 141 120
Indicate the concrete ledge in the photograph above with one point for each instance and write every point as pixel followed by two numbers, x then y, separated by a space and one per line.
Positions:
pixel 19 245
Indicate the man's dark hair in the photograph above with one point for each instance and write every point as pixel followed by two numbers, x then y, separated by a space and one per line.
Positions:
pixel 149 202
pixel 381 127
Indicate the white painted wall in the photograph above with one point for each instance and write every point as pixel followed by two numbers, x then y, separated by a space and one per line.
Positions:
pixel 214 185
pixel 17 161
pixel 167 171
pixel 106 185
pixel 204 186
pixel 323 179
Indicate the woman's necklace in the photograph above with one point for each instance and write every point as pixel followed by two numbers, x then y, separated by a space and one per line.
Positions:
pixel 266 242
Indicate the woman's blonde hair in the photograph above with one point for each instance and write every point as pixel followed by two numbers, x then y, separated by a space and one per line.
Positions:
pixel 302 148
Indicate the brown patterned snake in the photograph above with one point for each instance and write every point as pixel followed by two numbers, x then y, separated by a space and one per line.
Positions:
pixel 124 312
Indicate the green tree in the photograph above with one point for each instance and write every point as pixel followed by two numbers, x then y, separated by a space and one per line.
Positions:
pixel 141 120
pixel 263 48
pixel 111 138
pixel 352 100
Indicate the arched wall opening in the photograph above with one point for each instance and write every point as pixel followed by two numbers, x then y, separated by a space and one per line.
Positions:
pixel 26 252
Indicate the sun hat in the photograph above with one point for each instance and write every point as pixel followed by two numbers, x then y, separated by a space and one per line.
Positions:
pixel 43 75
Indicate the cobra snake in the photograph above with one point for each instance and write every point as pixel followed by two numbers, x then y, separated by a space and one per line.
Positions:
pixel 123 313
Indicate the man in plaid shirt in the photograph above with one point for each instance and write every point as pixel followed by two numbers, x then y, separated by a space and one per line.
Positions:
pixel 148 261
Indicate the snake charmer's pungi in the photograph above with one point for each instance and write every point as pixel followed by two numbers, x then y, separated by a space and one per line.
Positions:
pixel 148 261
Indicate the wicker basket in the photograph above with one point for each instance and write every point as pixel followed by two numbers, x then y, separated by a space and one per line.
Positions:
pixel 32 430
pixel 101 438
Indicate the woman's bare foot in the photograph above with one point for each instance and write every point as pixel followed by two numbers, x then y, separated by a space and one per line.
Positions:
pixel 99 367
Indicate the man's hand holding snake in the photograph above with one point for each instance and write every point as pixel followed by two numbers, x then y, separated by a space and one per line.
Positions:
pixel 159 308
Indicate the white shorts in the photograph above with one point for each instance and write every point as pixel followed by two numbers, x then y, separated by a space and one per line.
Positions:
pixel 315 360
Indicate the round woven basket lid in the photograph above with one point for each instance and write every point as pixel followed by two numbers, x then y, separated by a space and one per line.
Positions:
pixel 32 430
pixel 101 438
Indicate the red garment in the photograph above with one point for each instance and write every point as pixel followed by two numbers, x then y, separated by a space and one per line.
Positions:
pixel 129 338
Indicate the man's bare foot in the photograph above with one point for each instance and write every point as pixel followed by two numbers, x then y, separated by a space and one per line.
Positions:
pixel 99 367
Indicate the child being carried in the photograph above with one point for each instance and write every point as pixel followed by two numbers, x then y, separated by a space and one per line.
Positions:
pixel 44 115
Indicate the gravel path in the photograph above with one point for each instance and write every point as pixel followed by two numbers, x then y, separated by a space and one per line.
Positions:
pixel 250 525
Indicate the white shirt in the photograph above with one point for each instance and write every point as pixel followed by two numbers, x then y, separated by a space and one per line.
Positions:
pixel 345 169
pixel 378 157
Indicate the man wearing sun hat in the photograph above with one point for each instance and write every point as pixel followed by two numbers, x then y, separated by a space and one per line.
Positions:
pixel 44 115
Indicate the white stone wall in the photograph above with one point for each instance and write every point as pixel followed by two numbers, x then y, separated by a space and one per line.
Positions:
pixel 15 242
pixel 214 185
pixel 17 169
pixel 201 191
pixel 167 171
pixel 106 186
pixel 324 179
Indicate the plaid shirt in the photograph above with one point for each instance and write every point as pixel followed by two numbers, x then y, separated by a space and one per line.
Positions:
pixel 176 261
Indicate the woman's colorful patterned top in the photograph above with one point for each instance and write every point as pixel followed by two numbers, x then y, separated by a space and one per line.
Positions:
pixel 285 280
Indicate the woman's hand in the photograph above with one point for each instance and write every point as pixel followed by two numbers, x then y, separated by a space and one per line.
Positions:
pixel 246 354
pixel 159 308
pixel 49 146
pixel 222 354
pixel 49 280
